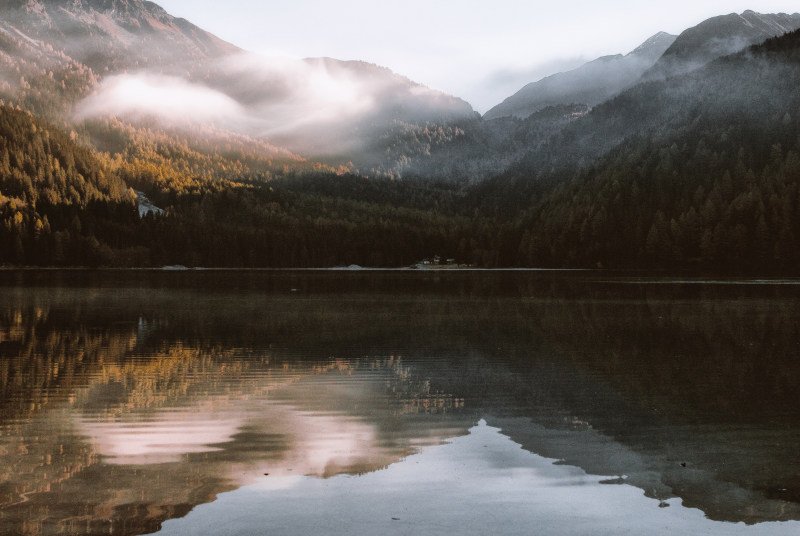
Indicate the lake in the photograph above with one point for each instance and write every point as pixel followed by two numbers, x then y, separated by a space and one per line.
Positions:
pixel 397 402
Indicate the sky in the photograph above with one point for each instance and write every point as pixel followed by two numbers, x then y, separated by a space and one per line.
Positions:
pixel 482 51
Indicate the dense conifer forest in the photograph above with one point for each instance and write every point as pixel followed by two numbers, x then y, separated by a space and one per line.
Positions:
pixel 712 184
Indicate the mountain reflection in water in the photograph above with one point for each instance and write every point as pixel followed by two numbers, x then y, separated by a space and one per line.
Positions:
pixel 483 483
pixel 129 398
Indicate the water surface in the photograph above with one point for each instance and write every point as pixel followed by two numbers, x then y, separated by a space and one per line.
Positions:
pixel 398 402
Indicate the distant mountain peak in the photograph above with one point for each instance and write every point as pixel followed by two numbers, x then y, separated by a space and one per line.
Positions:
pixel 657 43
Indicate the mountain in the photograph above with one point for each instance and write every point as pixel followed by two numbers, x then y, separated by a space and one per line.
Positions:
pixel 659 107
pixel 659 57
pixel 698 170
pixel 590 84
pixel 77 60
pixel 719 36
pixel 466 151
pixel 55 53
pixel 159 105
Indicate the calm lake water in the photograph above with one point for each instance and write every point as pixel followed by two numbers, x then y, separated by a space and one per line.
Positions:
pixel 397 402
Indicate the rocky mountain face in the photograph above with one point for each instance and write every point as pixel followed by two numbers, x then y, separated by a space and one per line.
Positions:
pixel 112 35
pixel 589 84
pixel 717 37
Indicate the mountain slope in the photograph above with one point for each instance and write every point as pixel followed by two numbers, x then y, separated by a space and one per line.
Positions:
pixel 58 202
pixel 55 53
pixel 705 173
pixel 731 86
pixel 718 37
pixel 589 84
pixel 467 151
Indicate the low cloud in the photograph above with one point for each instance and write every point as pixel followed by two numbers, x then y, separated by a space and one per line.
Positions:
pixel 169 98
pixel 283 94
pixel 248 93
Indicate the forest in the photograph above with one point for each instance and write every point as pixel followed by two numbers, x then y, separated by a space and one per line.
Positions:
pixel 698 172
pixel 64 205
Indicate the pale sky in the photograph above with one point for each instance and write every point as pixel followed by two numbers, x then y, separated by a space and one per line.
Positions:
pixel 482 51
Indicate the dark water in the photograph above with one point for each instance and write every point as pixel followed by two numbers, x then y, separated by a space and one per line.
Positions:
pixel 397 403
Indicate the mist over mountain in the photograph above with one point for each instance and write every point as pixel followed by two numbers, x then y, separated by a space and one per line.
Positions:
pixel 589 84
pixel 719 36
pixel 597 83
pixel 86 59
pixel 649 108
pixel 348 105
pixel 659 57
pixel 317 107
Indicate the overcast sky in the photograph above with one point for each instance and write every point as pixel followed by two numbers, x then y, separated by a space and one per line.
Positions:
pixel 479 50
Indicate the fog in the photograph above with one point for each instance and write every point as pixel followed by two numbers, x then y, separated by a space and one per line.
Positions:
pixel 247 93
pixel 281 95
pixel 169 98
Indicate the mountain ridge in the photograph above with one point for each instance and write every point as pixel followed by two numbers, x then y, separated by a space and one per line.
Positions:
pixel 589 84
pixel 717 37
pixel 701 171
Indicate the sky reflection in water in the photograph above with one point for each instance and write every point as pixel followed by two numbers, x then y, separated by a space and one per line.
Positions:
pixel 482 483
